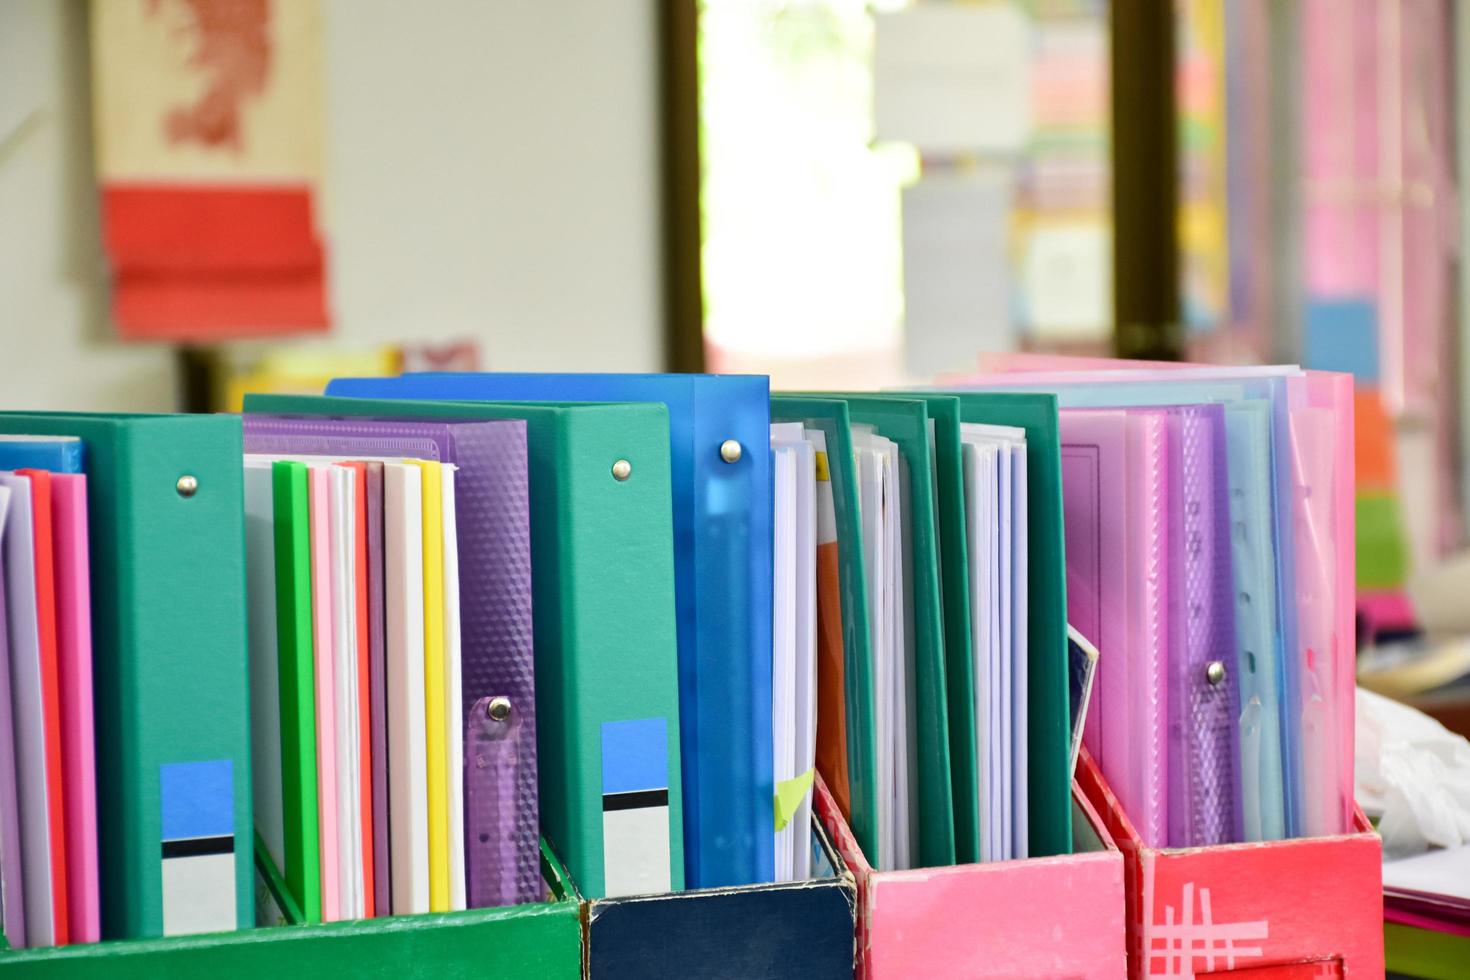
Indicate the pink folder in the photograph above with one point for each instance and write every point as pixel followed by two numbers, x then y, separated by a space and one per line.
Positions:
pixel 1115 487
pixel 1094 467
pixel 74 663
pixel 1323 523
pixel 1320 467
pixel 319 492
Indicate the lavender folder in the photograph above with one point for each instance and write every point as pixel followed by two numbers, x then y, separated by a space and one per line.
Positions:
pixel 502 855
pixel 1204 703
pixel 11 898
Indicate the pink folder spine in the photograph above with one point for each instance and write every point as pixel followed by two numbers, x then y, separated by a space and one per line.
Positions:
pixel 1336 390
pixel 326 742
pixel 1148 621
pixel 79 761
pixel 1322 460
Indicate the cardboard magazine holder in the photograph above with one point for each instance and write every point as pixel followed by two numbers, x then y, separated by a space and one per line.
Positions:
pixel 1278 910
pixel 1039 917
pixel 542 939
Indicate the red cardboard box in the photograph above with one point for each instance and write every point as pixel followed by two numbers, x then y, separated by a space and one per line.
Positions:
pixel 1042 917
pixel 1311 907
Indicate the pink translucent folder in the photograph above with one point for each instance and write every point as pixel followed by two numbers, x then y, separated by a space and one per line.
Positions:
pixel 1313 459
pixel 319 493
pixel 1115 490
pixel 74 663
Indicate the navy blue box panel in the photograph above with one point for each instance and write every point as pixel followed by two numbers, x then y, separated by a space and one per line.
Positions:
pixel 801 929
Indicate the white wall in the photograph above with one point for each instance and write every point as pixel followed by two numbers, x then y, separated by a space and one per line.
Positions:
pixel 492 171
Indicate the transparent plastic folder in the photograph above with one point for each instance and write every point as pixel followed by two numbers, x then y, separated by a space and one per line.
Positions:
pixel 719 432
pixel 1311 507
pixel 1204 704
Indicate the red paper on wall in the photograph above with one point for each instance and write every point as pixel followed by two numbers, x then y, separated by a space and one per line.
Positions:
pixel 208 132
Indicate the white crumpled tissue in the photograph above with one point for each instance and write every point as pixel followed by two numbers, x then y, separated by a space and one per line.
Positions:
pixel 1413 773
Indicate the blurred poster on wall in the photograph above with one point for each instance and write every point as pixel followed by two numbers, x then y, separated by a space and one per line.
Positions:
pixel 953 77
pixel 956 279
pixel 208 125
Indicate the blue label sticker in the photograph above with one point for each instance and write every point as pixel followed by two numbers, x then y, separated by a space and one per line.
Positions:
pixel 635 755
pixel 197 799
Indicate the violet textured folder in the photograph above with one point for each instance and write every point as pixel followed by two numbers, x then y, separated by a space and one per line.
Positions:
pixel 1204 775
pixel 377 690
pixel 11 898
pixel 493 509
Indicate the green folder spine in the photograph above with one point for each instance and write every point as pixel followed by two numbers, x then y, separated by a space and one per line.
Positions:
pixel 603 593
pixel 831 416
pixel 906 422
pixel 959 674
pixel 170 663
pixel 297 686
pixel 1049 771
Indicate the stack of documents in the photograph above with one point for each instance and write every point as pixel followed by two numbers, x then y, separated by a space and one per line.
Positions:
pixel 389 591
pixel 124 753
pixel 794 645
pixel 995 509
pixel 1205 508
pixel 926 646
pixel 48 786
pixel 562 531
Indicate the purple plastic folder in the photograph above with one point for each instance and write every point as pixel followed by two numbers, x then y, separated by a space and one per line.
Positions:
pixel 502 843
pixel 1115 495
pixel 1204 703
pixel 11 898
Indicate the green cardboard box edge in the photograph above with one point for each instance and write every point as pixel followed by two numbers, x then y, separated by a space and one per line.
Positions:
pixel 543 939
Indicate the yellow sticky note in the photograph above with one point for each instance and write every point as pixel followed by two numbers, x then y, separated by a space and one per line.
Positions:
pixel 789 794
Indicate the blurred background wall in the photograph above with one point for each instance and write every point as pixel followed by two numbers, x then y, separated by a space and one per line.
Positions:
pixel 481 154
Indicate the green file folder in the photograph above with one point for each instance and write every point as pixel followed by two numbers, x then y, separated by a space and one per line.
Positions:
pixel 166 515
pixel 603 595
pixel 906 422
pixel 1048 713
pixel 831 417
pixel 959 663
pixel 295 652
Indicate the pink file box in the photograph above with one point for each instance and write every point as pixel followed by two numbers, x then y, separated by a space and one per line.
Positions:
pixel 1308 907
pixel 1041 917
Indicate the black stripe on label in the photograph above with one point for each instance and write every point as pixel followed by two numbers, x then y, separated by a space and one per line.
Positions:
pixel 195 846
pixel 635 800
